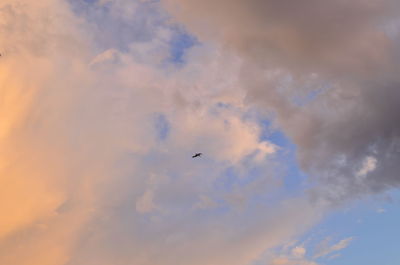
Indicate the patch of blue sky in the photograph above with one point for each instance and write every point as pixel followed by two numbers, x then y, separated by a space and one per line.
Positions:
pixel 162 127
pixel 227 181
pixel 305 99
pixel 294 177
pixel 218 108
pixel 87 8
pixel 375 226
pixel 249 115
pixel 223 105
pixel 111 29
pixel 180 43
pixel 231 179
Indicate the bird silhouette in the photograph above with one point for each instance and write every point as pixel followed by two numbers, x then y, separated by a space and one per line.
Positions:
pixel 196 155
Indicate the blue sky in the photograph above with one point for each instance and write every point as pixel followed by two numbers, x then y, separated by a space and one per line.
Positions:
pixel 373 224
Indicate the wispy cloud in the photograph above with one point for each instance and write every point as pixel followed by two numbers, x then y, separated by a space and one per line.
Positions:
pixel 325 249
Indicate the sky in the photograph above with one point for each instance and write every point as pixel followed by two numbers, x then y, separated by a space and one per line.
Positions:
pixel 292 103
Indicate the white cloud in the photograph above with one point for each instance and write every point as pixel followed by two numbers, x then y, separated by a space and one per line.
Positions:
pixel 381 210
pixel 293 253
pixel 295 257
pixel 325 249
pixel 369 165
pixel 298 252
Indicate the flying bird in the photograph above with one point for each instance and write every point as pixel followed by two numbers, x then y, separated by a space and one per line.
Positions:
pixel 196 155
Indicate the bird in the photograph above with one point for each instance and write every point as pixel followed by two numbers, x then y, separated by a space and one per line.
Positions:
pixel 196 155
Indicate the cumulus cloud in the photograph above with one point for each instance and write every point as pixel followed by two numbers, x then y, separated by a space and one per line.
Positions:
pixel 326 72
pixel 85 176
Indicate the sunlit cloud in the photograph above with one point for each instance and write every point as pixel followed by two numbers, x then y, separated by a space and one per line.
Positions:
pixel 103 103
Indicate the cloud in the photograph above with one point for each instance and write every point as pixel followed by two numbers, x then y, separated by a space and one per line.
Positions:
pixel 86 177
pixel 295 256
pixel 99 124
pixel 298 252
pixel 368 166
pixel 327 74
pixel 381 210
pixel 293 253
pixel 324 249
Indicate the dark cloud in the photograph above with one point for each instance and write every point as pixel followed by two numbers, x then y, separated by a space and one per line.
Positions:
pixel 339 59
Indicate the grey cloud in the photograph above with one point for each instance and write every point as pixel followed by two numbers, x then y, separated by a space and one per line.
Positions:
pixel 339 58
